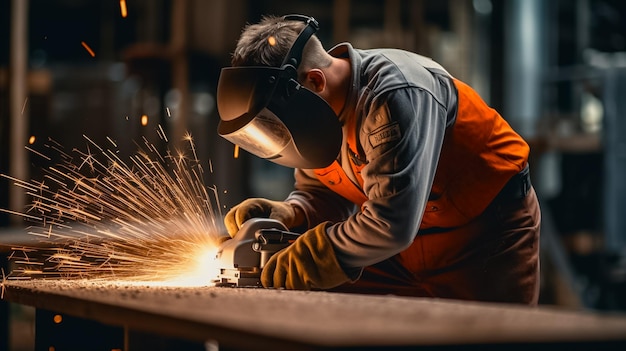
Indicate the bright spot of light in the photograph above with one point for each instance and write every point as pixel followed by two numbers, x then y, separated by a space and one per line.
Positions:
pixel 173 99
pixel 123 9
pixel 89 50
pixel 203 269
pixel 483 7
pixel 31 140
pixel 57 318
pixel 144 120
pixel 591 113
pixel 203 103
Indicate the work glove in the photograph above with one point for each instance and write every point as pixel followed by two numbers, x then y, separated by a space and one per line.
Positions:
pixel 259 208
pixel 308 263
pixel 221 239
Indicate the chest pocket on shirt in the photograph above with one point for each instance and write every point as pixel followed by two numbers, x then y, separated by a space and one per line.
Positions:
pixel 336 180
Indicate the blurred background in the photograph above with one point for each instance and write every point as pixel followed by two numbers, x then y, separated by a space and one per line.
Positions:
pixel 130 69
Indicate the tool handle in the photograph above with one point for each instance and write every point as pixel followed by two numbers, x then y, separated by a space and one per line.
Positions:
pixel 270 241
pixel 275 236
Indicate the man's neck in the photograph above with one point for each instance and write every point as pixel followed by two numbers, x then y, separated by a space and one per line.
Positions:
pixel 338 80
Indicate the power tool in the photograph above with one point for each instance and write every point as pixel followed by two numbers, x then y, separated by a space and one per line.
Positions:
pixel 242 258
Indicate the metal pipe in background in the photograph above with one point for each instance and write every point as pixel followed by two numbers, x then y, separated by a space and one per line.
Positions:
pixel 614 162
pixel 524 43
pixel 480 70
pixel 179 45
pixel 18 112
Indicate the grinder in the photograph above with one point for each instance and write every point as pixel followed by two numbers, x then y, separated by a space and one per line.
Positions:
pixel 243 257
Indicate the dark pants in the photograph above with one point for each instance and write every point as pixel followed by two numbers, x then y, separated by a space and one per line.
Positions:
pixel 493 258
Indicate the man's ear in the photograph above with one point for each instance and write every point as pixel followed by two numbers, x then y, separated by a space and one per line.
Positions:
pixel 316 80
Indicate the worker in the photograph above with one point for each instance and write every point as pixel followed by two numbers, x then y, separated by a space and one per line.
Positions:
pixel 406 182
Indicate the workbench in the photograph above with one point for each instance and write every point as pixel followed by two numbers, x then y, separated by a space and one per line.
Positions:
pixel 220 318
pixel 9 238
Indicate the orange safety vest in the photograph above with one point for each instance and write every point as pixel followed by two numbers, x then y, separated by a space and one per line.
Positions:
pixel 480 154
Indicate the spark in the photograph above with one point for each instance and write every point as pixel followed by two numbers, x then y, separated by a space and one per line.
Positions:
pixel 112 142
pixel 162 134
pixel 236 152
pixel 19 214
pixel 4 280
pixel 20 183
pixel 144 120
pixel 32 139
pixel 123 9
pixel 187 137
pixel 30 262
pixel 32 271
pixel 271 40
pixel 93 54
pixel 148 218
pixel 35 152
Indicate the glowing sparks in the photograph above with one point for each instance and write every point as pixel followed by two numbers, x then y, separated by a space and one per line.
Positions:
pixel 271 40
pixel 31 140
pixel 93 54
pixel 236 152
pixel 148 218
pixel 123 9
pixel 4 279
pixel 144 120
pixel 19 213
pixel 162 134
pixel 187 137
pixel 112 142
pixel 203 265
pixel 37 153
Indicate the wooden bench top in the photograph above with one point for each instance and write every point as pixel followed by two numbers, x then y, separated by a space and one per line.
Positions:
pixel 255 318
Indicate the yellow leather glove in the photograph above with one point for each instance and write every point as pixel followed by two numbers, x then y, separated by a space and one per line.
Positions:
pixel 308 263
pixel 221 239
pixel 258 207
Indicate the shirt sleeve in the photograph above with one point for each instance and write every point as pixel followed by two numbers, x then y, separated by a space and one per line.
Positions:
pixel 318 203
pixel 401 137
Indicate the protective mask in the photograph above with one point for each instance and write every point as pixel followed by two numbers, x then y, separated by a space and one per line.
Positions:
pixel 268 113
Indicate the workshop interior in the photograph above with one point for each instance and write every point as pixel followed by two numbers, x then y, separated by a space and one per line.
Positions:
pixel 82 76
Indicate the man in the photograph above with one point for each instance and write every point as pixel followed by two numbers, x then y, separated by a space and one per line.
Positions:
pixel 444 205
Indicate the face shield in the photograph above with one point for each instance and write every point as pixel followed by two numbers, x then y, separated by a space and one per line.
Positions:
pixel 268 113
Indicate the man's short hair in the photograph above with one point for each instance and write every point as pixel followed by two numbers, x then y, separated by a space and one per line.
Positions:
pixel 268 42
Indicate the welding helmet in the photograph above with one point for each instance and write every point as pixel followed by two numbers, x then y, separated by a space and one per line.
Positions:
pixel 268 113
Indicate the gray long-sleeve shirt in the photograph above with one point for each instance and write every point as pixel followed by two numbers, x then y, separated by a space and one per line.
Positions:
pixel 402 103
